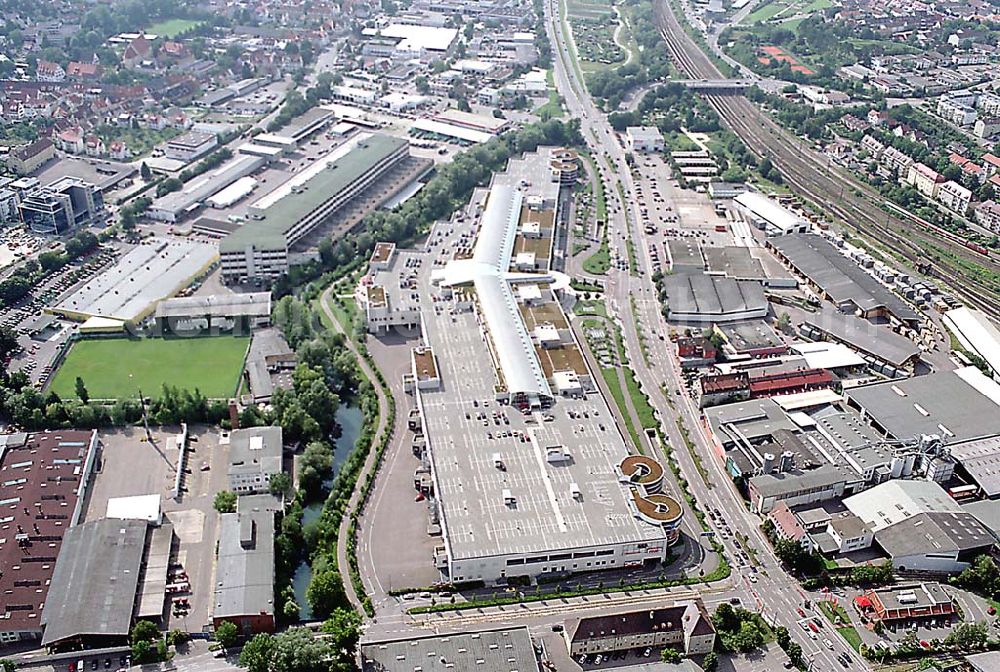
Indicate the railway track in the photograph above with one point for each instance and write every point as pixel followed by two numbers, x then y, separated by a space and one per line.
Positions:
pixel 834 190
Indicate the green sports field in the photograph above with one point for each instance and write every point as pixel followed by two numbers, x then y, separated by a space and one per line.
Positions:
pixel 171 28
pixel 211 364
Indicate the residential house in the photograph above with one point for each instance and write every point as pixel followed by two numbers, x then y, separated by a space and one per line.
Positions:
pixel 925 179
pixel 955 197
pixel 137 51
pixel 173 53
pixel 47 71
pixel 94 146
pixel 987 214
pixel 987 127
pixel 70 140
pixel 84 71
pixel 118 151
pixel 27 158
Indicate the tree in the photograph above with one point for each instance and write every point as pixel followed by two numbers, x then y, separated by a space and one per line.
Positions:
pixel 670 655
pixel 711 662
pixel 298 650
pixel 226 634
pixel 748 638
pixel 145 172
pixel 968 636
pixel 344 628
pixel 256 654
pixel 81 390
pixel 144 631
pixel 325 592
pixel 142 652
pixel 225 501
pixel 280 484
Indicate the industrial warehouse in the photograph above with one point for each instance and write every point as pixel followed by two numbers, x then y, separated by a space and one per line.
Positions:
pixel 261 250
pixel 129 291
pixel 839 279
pixel 519 421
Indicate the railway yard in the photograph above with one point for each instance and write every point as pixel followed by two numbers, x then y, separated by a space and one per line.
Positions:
pixel 971 274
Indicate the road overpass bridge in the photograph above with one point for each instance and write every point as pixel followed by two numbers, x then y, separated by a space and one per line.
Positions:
pixel 719 86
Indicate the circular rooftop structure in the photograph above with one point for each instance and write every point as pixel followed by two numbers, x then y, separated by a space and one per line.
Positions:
pixel 644 471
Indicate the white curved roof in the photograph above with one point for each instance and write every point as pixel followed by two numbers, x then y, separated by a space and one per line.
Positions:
pixel 487 272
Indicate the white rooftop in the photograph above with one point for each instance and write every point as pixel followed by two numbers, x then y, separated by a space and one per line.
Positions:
pixel 769 210
pixel 977 333
pixel 897 500
pixel 828 355
pixel 138 507
pixel 451 130
pixel 487 271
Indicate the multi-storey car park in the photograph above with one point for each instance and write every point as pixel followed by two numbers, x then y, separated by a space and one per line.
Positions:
pixel 525 469
pixel 260 249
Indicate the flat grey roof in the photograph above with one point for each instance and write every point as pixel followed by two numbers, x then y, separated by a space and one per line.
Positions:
pixel 751 334
pixel 929 533
pixel 713 295
pixel 305 123
pixel 816 258
pixel 754 419
pixel 501 650
pixel 776 485
pixel 874 339
pixel 254 304
pixel 95 581
pixel 685 255
pixel 981 460
pixel 735 262
pixel 940 403
pixel 255 450
pixel 244 576
pixel 285 213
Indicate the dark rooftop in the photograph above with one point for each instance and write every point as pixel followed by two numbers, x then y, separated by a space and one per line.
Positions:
pixel 40 477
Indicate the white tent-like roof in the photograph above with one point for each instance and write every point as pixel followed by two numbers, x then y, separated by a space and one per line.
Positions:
pixel 487 272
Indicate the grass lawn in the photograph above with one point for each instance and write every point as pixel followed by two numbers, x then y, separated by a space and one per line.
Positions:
pixel 173 27
pixel 210 364
pixel 851 636
pixel 345 311
pixel 599 262
pixel 592 307
pixel 551 109
pixel 841 621
pixel 766 11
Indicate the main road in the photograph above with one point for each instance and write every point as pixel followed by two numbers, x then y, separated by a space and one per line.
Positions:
pixel 776 593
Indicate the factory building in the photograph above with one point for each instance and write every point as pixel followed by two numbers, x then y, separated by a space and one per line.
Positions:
pixel 46 476
pixel 839 279
pixel 254 456
pixel 768 215
pixel 244 575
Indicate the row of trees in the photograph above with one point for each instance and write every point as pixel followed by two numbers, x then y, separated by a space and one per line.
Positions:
pixel 300 650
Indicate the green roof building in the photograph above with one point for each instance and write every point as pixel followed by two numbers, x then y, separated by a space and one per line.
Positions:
pixel 259 250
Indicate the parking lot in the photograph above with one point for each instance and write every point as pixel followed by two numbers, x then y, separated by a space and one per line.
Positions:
pixel 40 346
pixel 396 532
pixel 129 465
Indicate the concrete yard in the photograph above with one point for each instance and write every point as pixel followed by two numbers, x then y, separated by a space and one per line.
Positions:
pixel 131 466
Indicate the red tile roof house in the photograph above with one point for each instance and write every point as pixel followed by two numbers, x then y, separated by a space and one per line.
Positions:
pixel 78 70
